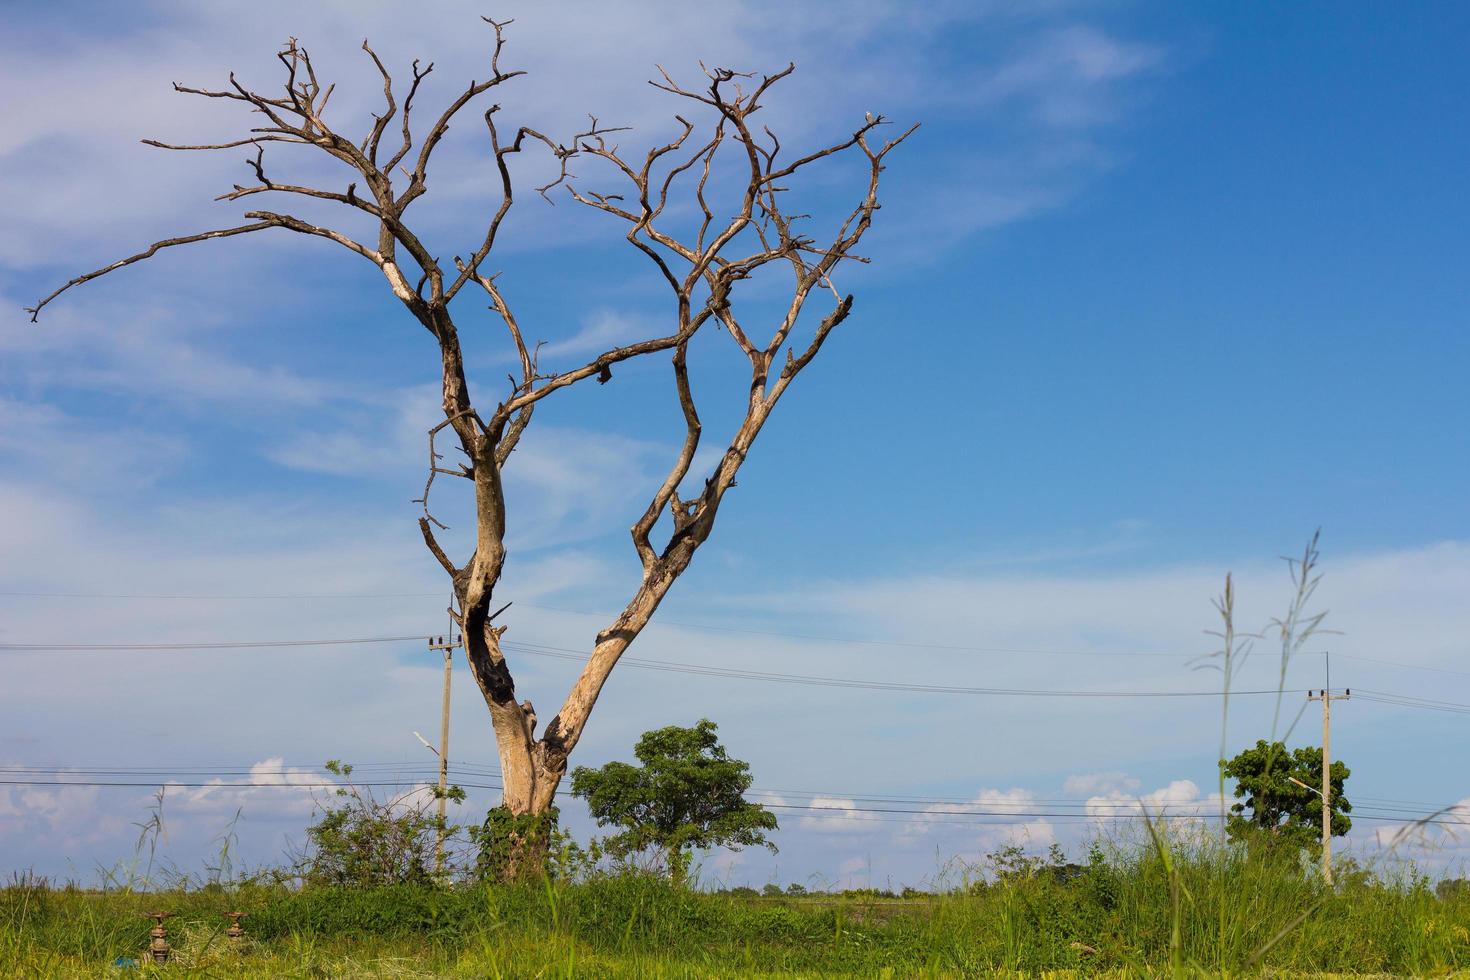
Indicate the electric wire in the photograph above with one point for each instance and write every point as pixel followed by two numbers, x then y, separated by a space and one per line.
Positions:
pixel 562 653
pixel 671 623
pixel 1196 812
pixel 212 645
pixel 492 771
pixel 850 641
pixel 1411 701
pixel 940 809
pixel 212 597
pixel 1368 808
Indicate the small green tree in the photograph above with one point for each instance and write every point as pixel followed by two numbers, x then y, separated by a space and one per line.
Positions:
pixel 687 795
pixel 1272 804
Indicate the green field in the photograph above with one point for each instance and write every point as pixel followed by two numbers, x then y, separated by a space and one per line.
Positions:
pixel 1203 911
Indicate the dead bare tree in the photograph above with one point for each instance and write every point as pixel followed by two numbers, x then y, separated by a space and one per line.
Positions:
pixel 701 271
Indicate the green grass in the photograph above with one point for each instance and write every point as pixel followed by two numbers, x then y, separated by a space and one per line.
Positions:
pixel 1113 916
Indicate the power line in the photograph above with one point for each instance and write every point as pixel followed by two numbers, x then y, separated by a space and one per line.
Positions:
pixel 1374 808
pixel 218 645
pixel 222 596
pixel 860 814
pixel 834 812
pixel 426 775
pixel 1409 701
pixel 867 641
pixel 562 653
pixel 1200 813
pixel 155 784
pixel 851 641
pixel 1076 807
pixel 573 612
pixel 1400 663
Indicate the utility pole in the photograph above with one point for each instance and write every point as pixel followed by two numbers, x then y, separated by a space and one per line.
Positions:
pixel 1327 697
pixel 439 643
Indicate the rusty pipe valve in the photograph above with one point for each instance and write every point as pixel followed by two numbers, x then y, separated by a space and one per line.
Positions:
pixel 158 937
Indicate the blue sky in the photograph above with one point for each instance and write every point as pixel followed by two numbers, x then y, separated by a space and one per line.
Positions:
pixel 1158 289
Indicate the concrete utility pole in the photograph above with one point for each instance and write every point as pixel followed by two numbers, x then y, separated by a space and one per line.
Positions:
pixel 443 753
pixel 1327 697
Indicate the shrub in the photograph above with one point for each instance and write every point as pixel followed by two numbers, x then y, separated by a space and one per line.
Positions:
pixel 365 841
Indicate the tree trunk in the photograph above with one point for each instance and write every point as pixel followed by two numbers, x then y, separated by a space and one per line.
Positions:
pixel 532 769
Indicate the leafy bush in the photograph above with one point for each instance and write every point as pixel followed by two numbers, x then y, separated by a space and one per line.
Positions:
pixel 1453 889
pixel 368 842
pixel 506 841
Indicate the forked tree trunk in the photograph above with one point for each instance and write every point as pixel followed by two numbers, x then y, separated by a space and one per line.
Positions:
pixel 532 767
pixel 700 273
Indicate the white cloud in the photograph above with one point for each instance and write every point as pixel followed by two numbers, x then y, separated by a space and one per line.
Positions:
pixel 169 352
pixel 1181 798
pixel 41 440
pixel 1093 783
pixel 371 436
pixel 1064 77
pixel 996 818
pixel 1440 839
pixel 45 815
pixel 602 331
pixel 834 815
pixel 563 484
pixel 102 96
pixel 269 790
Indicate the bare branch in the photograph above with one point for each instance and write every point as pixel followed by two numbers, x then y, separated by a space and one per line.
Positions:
pixel 436 550
pixel 419 174
pixel 521 419
pixel 668 492
pixel 149 252
pixel 468 270
pixel 407 144
pixel 435 469
pixel 248 141
pixel 380 123
pixel 306 228
pixel 794 364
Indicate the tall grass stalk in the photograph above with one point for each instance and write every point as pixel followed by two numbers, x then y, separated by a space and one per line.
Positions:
pixel 1293 629
pixel 1296 627
pixel 1234 649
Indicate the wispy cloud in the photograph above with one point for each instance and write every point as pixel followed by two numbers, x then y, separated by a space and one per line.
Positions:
pixel 43 442
pixel 1059 71
pixel 172 351
pixel 564 484
pixel 1068 78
